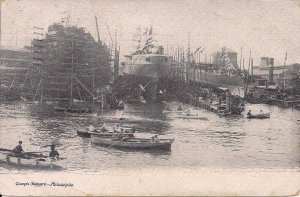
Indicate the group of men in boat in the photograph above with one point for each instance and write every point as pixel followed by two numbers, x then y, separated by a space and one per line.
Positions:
pixel 103 129
pixel 250 114
pixel 19 150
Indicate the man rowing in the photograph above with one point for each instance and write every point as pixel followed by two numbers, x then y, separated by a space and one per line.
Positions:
pixel 18 149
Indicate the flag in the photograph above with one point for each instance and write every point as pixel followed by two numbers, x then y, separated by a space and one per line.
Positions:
pixel 150 31
pixel 197 50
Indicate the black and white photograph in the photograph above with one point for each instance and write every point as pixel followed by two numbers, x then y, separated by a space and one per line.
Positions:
pixel 149 98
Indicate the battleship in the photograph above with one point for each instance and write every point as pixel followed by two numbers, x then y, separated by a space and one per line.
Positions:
pixel 146 67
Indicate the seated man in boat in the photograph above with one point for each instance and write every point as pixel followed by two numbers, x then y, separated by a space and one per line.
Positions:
pixel 249 113
pixel 188 113
pixel 117 129
pixel 91 128
pixel 179 108
pixel 133 129
pixel 261 112
pixel 155 138
pixel 53 153
pixel 103 129
pixel 18 148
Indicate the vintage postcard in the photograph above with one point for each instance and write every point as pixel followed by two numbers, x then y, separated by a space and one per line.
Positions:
pixel 149 98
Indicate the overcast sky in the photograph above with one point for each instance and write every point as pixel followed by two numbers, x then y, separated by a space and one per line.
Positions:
pixel 268 28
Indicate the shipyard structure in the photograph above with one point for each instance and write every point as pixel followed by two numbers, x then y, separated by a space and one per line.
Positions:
pixel 151 74
pixel 65 64
pixel 14 65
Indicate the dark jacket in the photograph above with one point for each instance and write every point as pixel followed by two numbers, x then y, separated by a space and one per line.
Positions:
pixel 18 149
pixel 53 153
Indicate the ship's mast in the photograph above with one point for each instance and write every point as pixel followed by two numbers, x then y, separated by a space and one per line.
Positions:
pixel 0 25
pixel 284 65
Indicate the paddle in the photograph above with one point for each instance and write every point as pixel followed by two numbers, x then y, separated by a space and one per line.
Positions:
pixel 118 141
pixel 57 159
pixel 122 116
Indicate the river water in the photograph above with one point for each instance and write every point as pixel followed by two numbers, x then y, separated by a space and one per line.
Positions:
pixel 204 140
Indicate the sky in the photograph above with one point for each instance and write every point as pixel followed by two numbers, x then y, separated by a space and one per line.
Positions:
pixel 267 27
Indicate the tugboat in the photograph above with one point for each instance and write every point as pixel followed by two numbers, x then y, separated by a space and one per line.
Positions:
pixel 146 67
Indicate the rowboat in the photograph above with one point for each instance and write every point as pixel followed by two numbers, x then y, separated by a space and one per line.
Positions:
pixel 71 110
pixel 88 134
pixel 29 160
pixel 133 143
pixel 259 116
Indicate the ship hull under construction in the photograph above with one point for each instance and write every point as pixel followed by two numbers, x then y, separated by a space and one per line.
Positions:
pixel 144 73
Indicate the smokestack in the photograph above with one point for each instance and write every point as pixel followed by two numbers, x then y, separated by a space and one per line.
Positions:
pixel 271 70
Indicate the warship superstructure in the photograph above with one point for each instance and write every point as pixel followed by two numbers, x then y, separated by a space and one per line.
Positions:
pixel 146 67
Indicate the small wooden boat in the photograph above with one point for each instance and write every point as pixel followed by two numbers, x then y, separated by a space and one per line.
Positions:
pixel 88 134
pixel 259 116
pixel 133 143
pixel 29 160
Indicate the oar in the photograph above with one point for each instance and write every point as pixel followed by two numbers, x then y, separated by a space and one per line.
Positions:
pixel 122 116
pixel 51 145
pixel 118 141
pixel 8 150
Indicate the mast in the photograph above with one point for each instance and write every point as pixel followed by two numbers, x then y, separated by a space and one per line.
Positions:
pixel 72 75
pixel 189 49
pixel 97 29
pixel 251 70
pixel 0 25
pixel 241 58
pixel 249 61
pixel 284 67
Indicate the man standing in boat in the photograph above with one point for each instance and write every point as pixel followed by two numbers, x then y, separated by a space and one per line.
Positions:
pixel 53 153
pixel 249 113
pixel 18 149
